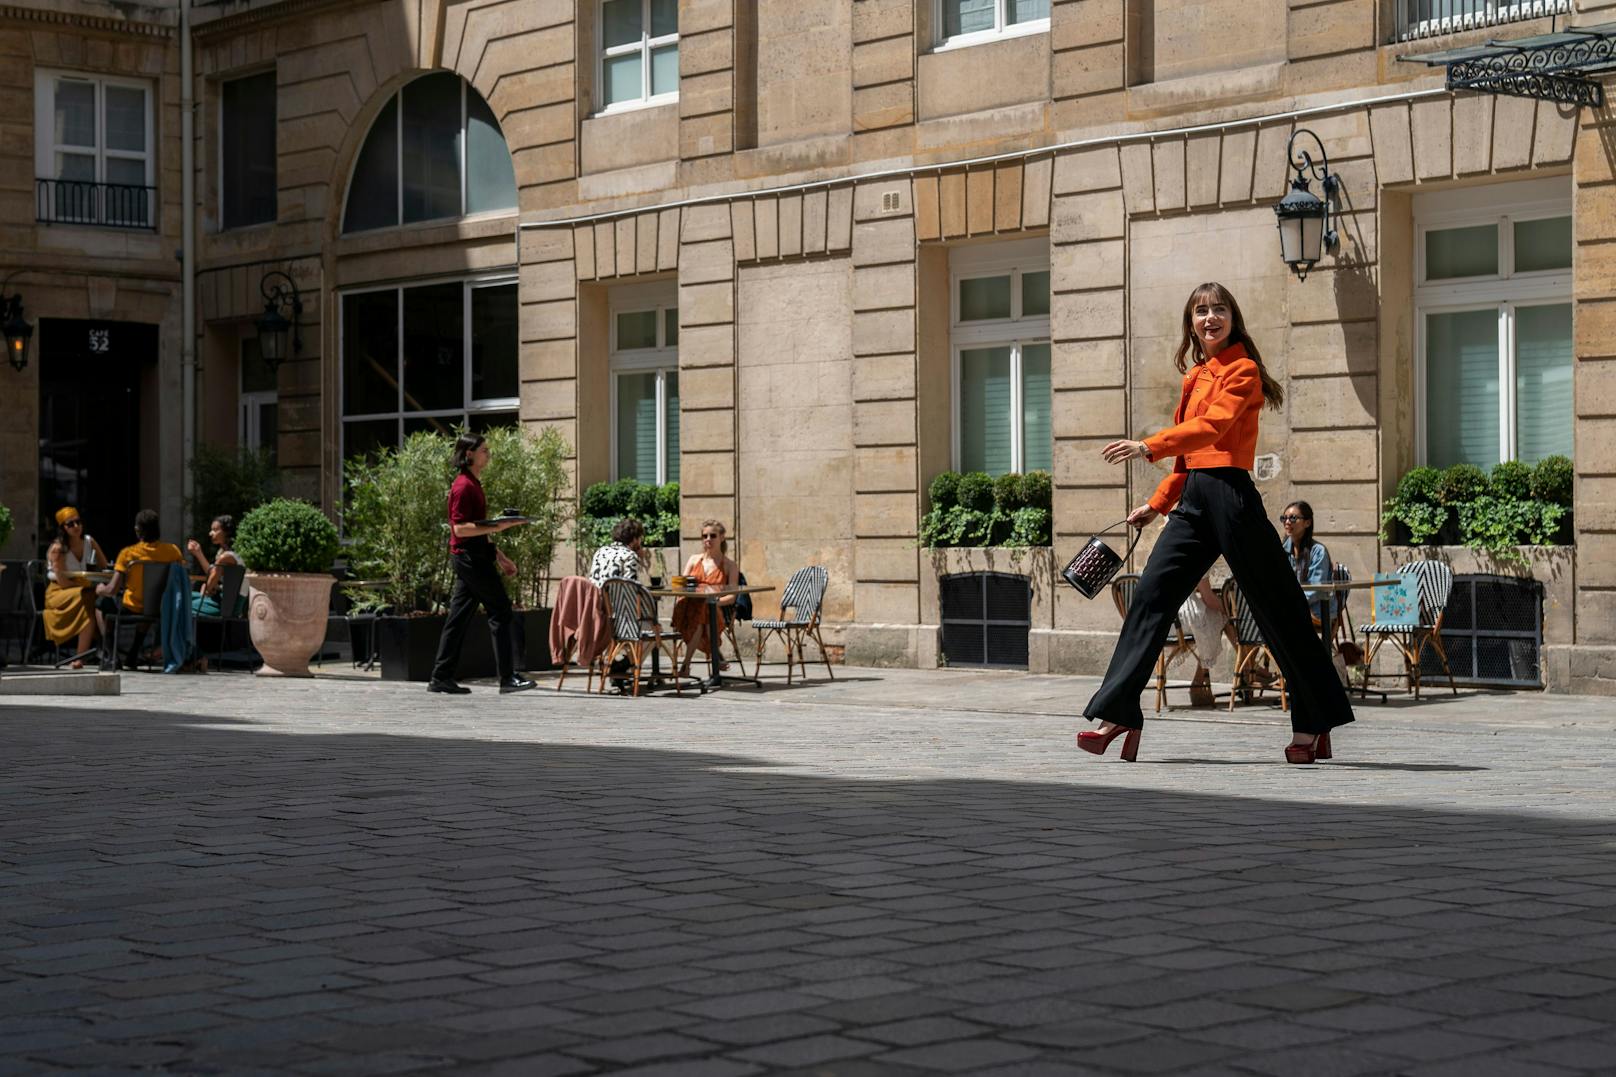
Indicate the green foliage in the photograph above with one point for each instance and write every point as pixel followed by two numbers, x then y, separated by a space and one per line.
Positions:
pixel 642 502
pixel 528 472
pixel 1495 515
pixel 976 510
pixel 1008 494
pixel 228 482
pixel 6 525
pixel 1498 525
pixel 1419 484
pixel 605 503
pixel 396 524
pixel 287 536
pixel 1552 480
pixel 1029 526
pixel 1510 480
pixel 600 500
pixel 976 491
pixel 1459 484
pixel 1038 490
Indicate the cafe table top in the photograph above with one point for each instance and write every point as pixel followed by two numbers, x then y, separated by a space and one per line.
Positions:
pixel 708 593
pixel 1350 585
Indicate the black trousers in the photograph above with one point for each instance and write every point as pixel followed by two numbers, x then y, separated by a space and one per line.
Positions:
pixel 1221 512
pixel 477 583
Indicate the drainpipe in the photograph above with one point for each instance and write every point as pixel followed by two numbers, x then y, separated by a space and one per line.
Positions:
pixel 187 251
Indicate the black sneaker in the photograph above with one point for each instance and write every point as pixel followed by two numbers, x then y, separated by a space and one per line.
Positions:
pixel 516 683
pixel 449 688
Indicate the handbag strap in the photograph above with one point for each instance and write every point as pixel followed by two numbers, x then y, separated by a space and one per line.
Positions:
pixel 1137 532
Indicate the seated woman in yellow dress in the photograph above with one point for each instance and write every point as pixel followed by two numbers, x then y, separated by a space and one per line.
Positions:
pixel 711 568
pixel 69 603
pixel 222 533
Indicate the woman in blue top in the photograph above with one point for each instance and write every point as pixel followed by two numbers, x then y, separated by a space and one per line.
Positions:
pixel 1309 559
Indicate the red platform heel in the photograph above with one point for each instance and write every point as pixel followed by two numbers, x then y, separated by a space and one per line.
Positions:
pixel 1095 743
pixel 1309 753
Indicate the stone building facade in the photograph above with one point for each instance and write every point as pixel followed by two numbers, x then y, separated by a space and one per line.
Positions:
pixel 794 198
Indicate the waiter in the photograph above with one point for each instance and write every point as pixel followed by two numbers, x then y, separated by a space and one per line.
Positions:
pixel 477 568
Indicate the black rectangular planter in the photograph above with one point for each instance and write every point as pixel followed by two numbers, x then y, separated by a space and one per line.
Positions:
pixel 407 646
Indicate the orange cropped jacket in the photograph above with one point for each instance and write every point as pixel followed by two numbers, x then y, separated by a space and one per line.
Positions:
pixel 1215 424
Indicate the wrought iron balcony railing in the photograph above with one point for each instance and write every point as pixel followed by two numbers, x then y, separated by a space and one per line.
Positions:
pixel 107 205
pixel 1429 18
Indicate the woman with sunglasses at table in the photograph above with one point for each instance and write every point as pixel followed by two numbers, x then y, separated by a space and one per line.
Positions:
pixel 1213 507
pixel 1308 557
pixel 711 568
pixel 69 604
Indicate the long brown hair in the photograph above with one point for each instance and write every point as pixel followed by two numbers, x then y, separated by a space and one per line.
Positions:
pixel 1189 347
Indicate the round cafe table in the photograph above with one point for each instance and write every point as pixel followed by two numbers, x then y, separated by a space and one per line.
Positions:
pixel 713 596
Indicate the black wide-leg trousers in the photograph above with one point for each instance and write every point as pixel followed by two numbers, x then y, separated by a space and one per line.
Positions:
pixel 1221 512
pixel 477 583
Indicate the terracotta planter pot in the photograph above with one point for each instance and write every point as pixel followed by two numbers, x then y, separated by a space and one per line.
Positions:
pixel 286 614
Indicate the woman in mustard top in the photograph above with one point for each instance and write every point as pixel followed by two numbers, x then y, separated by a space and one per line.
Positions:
pixel 1213 508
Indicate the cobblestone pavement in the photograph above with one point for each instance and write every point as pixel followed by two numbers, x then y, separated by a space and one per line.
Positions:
pixel 900 873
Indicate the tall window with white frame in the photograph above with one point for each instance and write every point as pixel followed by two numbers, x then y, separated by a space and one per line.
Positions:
pixel 999 337
pixel 639 52
pixel 93 160
pixel 429 356
pixel 1493 301
pixel 645 385
pixel 967 22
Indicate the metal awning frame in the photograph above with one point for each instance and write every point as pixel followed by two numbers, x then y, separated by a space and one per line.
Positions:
pixel 1549 67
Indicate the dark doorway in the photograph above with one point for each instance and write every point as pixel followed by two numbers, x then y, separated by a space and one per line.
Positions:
pixel 90 417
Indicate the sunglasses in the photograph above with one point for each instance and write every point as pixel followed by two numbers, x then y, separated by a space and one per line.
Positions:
pixel 711 534
pixel 72 523
pixel 1292 519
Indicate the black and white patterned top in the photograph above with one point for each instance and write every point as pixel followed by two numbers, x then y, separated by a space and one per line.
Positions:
pixel 614 561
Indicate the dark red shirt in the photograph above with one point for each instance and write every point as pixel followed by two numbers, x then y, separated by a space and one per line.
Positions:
pixel 467 505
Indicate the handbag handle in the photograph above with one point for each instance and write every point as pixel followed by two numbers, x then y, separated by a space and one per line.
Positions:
pixel 1137 532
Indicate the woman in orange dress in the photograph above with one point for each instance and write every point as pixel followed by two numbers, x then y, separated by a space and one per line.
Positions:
pixel 712 569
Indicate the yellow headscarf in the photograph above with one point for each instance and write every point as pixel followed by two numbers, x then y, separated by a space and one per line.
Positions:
pixel 64 514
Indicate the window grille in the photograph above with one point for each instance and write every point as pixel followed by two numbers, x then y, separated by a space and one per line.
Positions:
pixel 986 619
pixel 1493 632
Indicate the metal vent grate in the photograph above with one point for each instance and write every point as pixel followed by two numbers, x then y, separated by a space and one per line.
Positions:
pixel 986 618
pixel 1493 631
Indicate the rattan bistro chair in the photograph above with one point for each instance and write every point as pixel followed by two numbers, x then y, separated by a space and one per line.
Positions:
pixel 1179 642
pixel 1249 650
pixel 803 598
pixel 1415 629
pixel 636 632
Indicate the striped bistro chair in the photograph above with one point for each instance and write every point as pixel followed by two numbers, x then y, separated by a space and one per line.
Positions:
pixel 804 595
pixel 636 632
pixel 1410 619
pixel 1178 642
pixel 1249 650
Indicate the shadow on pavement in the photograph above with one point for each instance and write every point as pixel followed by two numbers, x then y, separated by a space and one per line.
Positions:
pixel 188 898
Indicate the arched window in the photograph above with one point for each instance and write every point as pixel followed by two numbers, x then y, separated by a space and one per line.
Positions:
pixel 435 151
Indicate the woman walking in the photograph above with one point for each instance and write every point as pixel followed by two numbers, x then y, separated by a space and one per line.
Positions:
pixel 477 568
pixel 1213 508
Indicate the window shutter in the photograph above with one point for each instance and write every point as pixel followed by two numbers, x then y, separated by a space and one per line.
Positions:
pixel 1461 388
pixel 1543 415
pixel 985 410
pixel 1037 447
